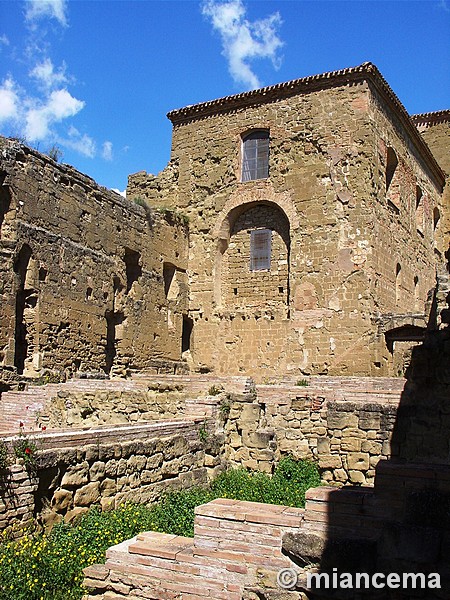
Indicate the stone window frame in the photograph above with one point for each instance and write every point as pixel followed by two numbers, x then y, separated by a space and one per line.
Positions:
pixel 260 249
pixel 420 210
pixel 392 180
pixel 255 157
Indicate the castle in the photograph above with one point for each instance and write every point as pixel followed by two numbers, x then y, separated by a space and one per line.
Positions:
pixel 296 230
pixel 299 230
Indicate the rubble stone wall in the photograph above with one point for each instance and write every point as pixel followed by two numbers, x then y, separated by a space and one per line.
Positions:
pixel 82 277
pixel 346 433
pixel 106 467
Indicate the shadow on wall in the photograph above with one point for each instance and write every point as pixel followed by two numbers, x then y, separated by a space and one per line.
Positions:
pixel 402 525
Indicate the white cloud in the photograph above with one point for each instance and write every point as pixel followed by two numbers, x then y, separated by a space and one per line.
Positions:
pixel 79 142
pixel 38 108
pixel 242 40
pixel 9 101
pixel 35 9
pixel 107 152
pixel 45 73
pixel 123 194
pixel 58 106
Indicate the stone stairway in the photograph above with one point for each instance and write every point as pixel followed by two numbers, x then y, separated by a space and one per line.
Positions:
pixel 236 546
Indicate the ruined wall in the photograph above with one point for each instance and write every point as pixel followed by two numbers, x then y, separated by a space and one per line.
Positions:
pixel 106 467
pixel 435 129
pixel 82 276
pixel 344 425
pixel 327 169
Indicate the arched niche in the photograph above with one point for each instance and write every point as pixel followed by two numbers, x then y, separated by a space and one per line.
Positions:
pixel 238 283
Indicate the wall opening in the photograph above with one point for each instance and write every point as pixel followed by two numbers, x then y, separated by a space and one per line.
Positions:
pixel 113 319
pixel 186 334
pixel 419 210
pixel 398 282
pixel 26 301
pixel 171 287
pixel 133 269
pixel 260 249
pixel 400 342
pixel 436 218
pixel 392 180
pixel 255 155
pixel 391 167
pixel 416 294
pixel 5 200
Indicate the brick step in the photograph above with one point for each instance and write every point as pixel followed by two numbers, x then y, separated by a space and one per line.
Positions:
pixel 233 541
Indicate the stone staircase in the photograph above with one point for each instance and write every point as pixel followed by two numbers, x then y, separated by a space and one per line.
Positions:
pixel 236 546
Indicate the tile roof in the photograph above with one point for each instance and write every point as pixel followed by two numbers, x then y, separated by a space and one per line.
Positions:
pixel 275 92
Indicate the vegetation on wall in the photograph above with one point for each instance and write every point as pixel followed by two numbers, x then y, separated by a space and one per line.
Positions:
pixel 49 566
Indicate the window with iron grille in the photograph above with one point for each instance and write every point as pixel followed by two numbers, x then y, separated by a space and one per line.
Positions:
pixel 260 249
pixel 255 156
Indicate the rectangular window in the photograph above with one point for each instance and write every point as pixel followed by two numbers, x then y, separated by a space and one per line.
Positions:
pixel 260 249
pixel 255 156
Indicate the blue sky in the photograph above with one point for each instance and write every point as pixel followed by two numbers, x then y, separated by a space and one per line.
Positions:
pixel 97 77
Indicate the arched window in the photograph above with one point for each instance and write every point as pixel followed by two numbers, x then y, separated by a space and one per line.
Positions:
pixel 392 181
pixel 254 268
pixel 391 166
pixel 436 218
pixel 255 155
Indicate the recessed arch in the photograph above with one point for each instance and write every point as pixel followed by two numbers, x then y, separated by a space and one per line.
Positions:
pixel 236 284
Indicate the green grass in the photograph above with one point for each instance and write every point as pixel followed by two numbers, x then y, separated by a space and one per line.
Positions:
pixel 49 566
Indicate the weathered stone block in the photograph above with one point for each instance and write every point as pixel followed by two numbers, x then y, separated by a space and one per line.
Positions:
pixel 87 495
pixel 76 475
pixel 358 461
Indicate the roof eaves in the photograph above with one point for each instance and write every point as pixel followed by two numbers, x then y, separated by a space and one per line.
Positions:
pixel 265 94
pixel 438 116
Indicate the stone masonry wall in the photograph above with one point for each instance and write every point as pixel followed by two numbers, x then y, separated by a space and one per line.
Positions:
pixel 401 268
pixel 354 250
pixel 106 466
pixel 435 129
pixel 82 276
pixel 344 425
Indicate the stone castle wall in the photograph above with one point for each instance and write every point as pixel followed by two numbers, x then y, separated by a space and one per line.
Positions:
pixel 351 241
pixel 344 425
pixel 106 467
pixel 105 447
pixel 83 284
pixel 435 129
